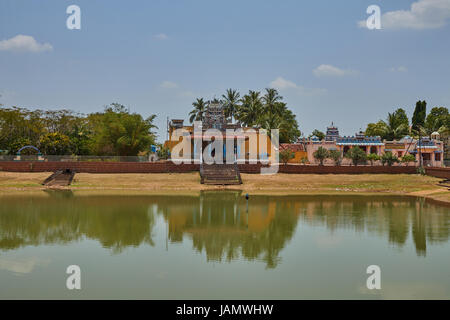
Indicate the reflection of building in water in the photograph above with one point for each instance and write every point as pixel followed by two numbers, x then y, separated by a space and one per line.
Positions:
pixel 218 223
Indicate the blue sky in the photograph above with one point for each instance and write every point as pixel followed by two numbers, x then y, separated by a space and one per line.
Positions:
pixel 156 57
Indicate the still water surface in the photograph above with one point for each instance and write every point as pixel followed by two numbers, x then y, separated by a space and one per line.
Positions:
pixel 217 247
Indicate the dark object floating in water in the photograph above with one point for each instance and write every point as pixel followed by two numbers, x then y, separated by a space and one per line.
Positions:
pixel 60 178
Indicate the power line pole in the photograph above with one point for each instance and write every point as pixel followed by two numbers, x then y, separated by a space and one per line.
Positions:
pixel 420 150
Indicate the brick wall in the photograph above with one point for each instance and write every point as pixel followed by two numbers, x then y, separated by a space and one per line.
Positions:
pixel 162 167
pixel 443 173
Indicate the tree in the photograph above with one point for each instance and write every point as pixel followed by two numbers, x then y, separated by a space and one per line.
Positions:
pixel 303 160
pixel 318 134
pixel 271 101
pixel 398 124
pixel 119 132
pixel 320 154
pixel 407 158
pixel 418 119
pixel 335 155
pixel 231 103
pixel 379 129
pixel 437 118
pixel 357 155
pixel 250 111
pixel 389 158
pixel 373 157
pixel 163 152
pixel 199 109
pixel 54 143
pixel 286 155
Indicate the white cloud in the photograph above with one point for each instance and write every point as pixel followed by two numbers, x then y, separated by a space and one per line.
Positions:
pixel 282 84
pixel 22 43
pixel 161 36
pixel 423 14
pixel 398 69
pixel 168 85
pixel 326 70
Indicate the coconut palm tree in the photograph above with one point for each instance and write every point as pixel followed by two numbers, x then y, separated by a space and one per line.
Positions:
pixel 250 110
pixel 231 103
pixel 199 110
pixel 271 101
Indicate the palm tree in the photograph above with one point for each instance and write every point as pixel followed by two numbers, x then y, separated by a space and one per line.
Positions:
pixel 199 110
pixel 397 125
pixel 250 110
pixel 271 100
pixel 231 100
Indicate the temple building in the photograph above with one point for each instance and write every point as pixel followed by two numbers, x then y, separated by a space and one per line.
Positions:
pixel 431 148
pixel 247 143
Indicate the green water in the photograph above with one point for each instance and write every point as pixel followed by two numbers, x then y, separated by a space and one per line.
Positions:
pixel 215 247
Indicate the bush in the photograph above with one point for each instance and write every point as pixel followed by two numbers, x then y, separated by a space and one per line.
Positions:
pixel 304 160
pixel 320 154
pixel 163 153
pixel 286 155
pixel 389 158
pixel 335 155
pixel 357 155
pixel 407 158
pixel 372 158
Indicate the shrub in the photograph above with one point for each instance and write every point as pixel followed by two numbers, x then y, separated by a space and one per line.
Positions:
pixel 357 155
pixel 373 157
pixel 335 155
pixel 407 158
pixel 320 154
pixel 389 158
pixel 286 155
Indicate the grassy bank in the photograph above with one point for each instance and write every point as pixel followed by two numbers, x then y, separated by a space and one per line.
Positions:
pixel 188 183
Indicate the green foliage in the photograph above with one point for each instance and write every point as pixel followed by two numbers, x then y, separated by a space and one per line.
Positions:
pixel 231 103
pixel 199 109
pixel 286 155
pixel 54 143
pixel 418 119
pixel 268 112
pixel 321 154
pixel 303 160
pixel 113 132
pixel 407 158
pixel 318 134
pixel 373 157
pixel 20 142
pixel 437 118
pixel 357 155
pixel 335 155
pixel 389 158
pixel 250 111
pixel 163 153
pixel 119 132
pixel 396 126
pixel 379 129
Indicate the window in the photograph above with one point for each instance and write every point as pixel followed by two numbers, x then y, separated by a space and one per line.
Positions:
pixel 437 157
pixel 399 154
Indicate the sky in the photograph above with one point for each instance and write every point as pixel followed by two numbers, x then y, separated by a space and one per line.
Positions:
pixel 157 57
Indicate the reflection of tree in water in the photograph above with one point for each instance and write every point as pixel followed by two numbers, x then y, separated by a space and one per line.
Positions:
pixel 398 217
pixel 115 222
pixel 217 223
